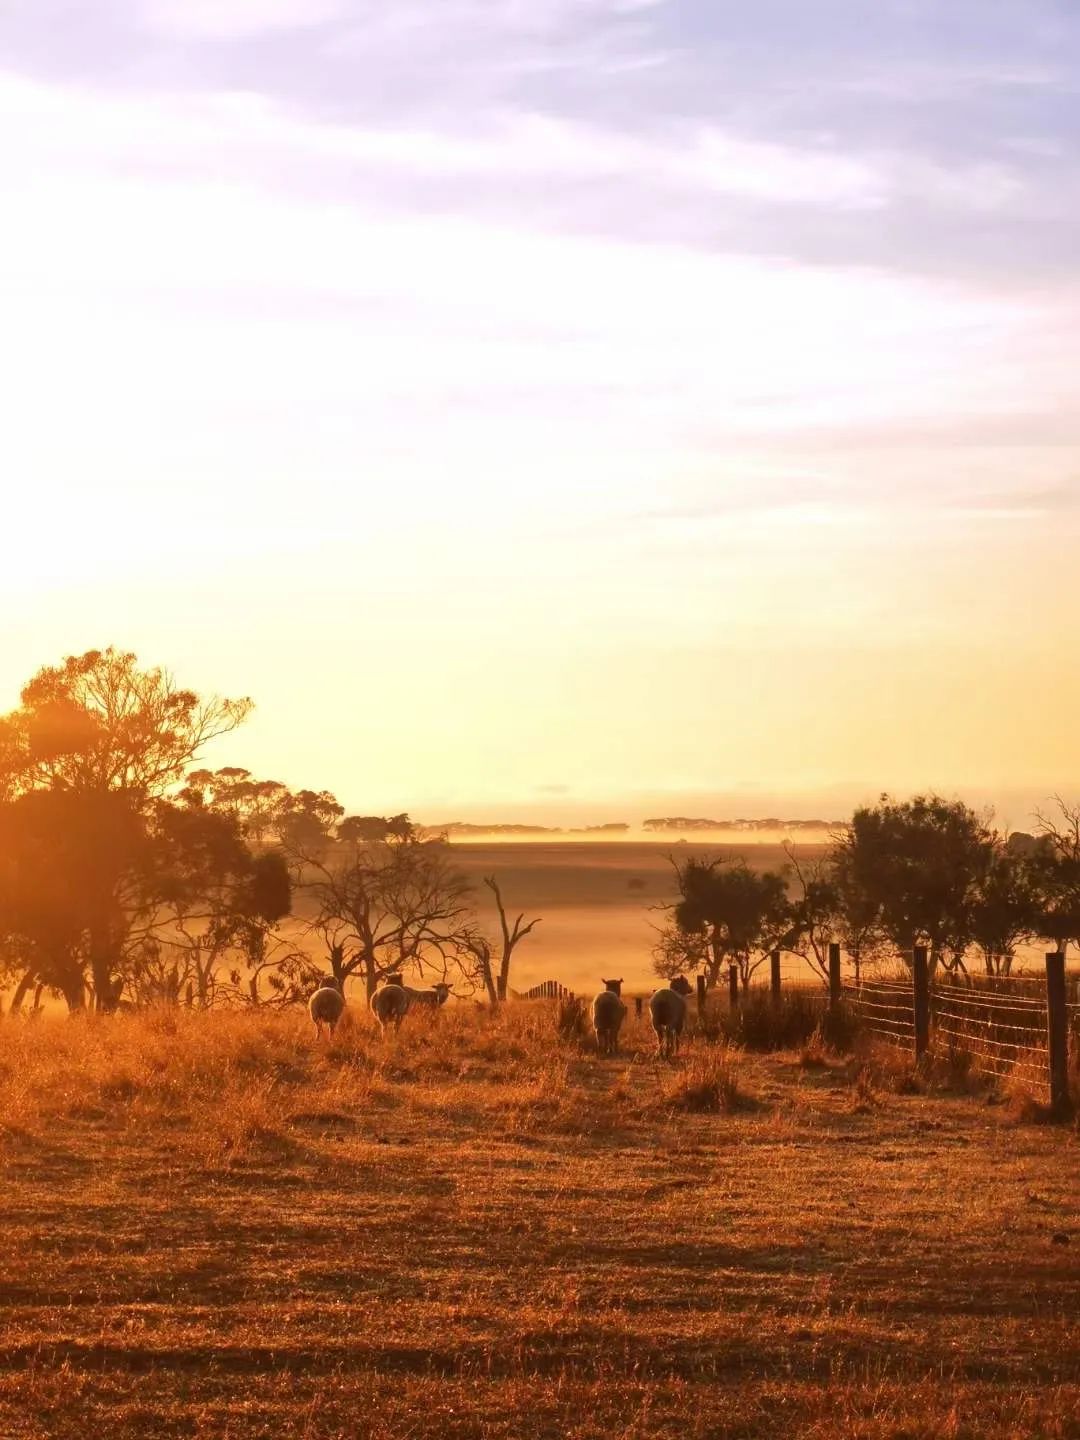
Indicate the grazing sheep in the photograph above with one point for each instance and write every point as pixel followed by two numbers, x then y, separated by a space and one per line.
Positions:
pixel 326 1007
pixel 608 1013
pixel 667 1009
pixel 431 999
pixel 389 1005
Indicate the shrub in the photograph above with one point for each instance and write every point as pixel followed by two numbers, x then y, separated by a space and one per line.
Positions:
pixel 814 1054
pixel 708 1083
pixel 571 1022
pixel 759 1024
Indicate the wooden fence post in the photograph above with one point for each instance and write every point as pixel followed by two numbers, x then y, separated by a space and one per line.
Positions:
pixel 637 1006
pixel 1057 1032
pixel 834 976
pixel 733 986
pixel 920 972
pixel 774 977
pixel 701 994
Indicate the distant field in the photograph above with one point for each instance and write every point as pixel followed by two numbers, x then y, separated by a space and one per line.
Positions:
pixel 594 923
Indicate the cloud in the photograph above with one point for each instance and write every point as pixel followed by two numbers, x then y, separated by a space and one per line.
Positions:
pixel 230 20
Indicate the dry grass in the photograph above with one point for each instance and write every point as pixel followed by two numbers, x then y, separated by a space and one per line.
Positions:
pixel 217 1228
pixel 707 1082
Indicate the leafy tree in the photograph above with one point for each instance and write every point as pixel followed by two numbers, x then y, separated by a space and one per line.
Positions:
pixel 99 723
pixel 91 863
pixel 215 933
pixel 730 914
pixel 1006 907
pixel 256 804
pixel 305 820
pixel 916 867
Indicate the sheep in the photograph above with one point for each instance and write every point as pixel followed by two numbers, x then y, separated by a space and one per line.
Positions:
pixel 389 1005
pixel 608 1013
pixel 326 1007
pixel 431 999
pixel 667 1009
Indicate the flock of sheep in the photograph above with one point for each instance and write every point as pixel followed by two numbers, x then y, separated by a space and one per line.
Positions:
pixel 667 1011
pixel 389 1004
pixel 393 1000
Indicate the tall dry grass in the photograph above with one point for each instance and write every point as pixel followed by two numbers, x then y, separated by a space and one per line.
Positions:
pixel 228 1087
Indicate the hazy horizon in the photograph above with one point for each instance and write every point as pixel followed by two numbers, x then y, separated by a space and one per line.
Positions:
pixel 556 405
pixel 1013 810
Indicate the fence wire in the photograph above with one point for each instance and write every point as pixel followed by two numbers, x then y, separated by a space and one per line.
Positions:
pixel 1004 1037
pixel 1000 1035
pixel 885 1007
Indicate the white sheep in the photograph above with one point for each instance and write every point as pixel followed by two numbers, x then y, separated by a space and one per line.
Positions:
pixel 667 1009
pixel 608 1013
pixel 431 999
pixel 326 1007
pixel 390 1005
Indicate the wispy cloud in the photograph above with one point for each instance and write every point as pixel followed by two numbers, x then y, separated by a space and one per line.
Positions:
pixel 230 20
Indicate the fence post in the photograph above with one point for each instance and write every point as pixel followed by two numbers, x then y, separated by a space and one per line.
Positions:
pixel 1057 1032
pixel 920 971
pixel 774 976
pixel 637 1006
pixel 834 976
pixel 733 986
pixel 701 994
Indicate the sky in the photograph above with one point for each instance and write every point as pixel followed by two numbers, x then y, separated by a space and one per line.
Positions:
pixel 556 409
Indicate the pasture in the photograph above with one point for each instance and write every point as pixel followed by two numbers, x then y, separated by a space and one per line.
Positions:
pixel 214 1227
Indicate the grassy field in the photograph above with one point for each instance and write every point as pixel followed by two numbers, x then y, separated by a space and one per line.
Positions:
pixel 214 1227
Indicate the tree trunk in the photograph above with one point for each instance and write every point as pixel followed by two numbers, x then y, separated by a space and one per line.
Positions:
pixel 106 994
pixel 21 991
pixel 74 992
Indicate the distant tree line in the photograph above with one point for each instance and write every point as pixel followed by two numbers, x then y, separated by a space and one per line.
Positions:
pixel 926 871
pixel 129 874
pixel 466 829
pixel 769 823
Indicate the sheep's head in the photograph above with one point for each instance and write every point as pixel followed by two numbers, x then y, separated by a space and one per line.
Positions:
pixel 614 986
pixel 442 992
pixel 681 985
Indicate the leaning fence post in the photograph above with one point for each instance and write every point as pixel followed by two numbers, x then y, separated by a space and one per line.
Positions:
pixel 774 976
pixel 834 976
pixel 920 971
pixel 701 994
pixel 1057 1032
pixel 733 986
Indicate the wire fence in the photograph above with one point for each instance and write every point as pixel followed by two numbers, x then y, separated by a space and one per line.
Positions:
pixel 886 1007
pixel 997 1029
pixel 1004 1036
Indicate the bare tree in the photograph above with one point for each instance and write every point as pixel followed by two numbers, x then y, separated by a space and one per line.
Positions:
pixel 497 981
pixel 1057 864
pixel 395 905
